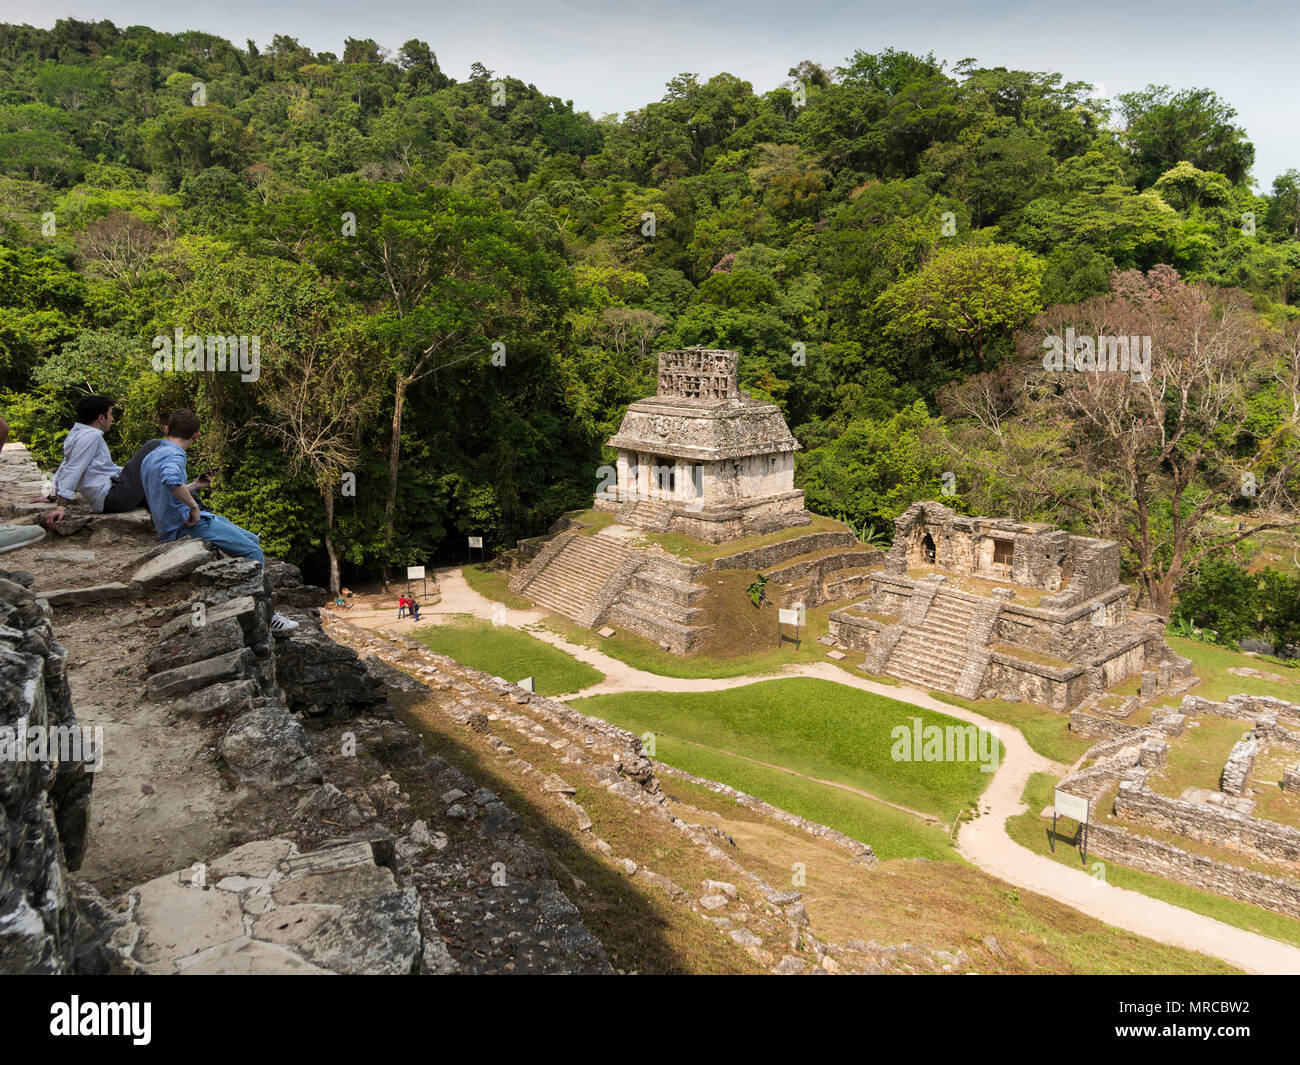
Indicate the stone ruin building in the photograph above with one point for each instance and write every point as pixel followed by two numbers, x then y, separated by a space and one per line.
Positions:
pixel 983 607
pixel 701 458
pixel 968 605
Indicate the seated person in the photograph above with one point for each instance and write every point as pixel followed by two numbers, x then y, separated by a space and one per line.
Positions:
pixel 176 512
pixel 87 465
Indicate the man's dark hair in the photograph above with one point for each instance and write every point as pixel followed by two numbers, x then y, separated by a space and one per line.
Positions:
pixel 91 407
pixel 183 423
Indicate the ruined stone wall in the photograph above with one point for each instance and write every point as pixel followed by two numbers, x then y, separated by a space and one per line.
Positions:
pixel 1058 689
pixel 1210 824
pixel 1243 706
pixel 760 558
pixel 1236 770
pixel 1196 870
pixel 44 804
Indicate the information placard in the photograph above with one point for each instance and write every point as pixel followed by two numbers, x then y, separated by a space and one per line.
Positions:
pixel 415 573
pixel 1068 805
pixel 476 541
pixel 788 617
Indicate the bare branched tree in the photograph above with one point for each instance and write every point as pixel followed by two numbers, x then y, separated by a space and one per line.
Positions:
pixel 1150 455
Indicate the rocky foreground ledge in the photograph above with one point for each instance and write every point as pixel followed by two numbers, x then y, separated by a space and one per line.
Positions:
pixel 268 834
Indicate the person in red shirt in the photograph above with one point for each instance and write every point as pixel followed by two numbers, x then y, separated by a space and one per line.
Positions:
pixel 401 607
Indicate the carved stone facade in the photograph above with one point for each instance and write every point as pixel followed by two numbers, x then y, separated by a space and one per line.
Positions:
pixel 702 458
pixel 947 612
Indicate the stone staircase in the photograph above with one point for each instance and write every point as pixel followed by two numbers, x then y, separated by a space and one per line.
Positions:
pixel 578 576
pixel 932 653
pixel 659 602
pixel 648 514
pixel 597 580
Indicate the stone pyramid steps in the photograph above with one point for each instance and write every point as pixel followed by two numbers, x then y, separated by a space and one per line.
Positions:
pixel 574 579
pixel 933 652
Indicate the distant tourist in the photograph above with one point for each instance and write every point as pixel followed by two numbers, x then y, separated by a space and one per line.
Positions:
pixel 401 607
pixel 415 609
pixel 177 513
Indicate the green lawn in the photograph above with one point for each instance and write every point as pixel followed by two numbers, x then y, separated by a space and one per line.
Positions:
pixel 508 653
pixel 1212 664
pixel 1047 732
pixel 495 585
pixel 1032 831
pixel 815 727
pixel 891 833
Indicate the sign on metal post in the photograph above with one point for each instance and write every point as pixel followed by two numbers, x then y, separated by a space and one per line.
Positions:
pixel 1066 805
pixel 791 616
pixel 416 573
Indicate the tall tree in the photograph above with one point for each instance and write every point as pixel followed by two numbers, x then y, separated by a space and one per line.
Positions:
pixel 442 276
pixel 972 290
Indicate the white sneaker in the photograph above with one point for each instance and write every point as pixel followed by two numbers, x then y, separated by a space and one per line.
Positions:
pixel 280 623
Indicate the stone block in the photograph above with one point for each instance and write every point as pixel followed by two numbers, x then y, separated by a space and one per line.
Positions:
pixel 235 665
pixel 70 556
pixel 227 698
pixel 269 746
pixel 195 643
pixel 179 561
pixel 95 593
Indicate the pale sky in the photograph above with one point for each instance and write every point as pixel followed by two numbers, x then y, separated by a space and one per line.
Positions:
pixel 615 56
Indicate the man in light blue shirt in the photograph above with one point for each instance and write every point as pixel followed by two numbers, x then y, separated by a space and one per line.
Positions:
pixel 177 513
pixel 87 467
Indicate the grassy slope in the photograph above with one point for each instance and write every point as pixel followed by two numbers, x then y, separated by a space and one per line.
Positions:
pixel 508 653
pixel 494 585
pixel 811 726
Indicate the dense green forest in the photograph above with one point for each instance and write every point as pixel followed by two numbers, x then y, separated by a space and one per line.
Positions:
pixel 458 285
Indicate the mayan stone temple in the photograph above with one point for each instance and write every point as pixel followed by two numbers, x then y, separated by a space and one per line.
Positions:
pixel 701 458
pixel 987 607
pixel 978 607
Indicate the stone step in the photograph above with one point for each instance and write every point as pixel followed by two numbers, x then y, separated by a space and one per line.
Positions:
pixel 681 637
pixel 570 579
pixel 668 591
pixel 669 611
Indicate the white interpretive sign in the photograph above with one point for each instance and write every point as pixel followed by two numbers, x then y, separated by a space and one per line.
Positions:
pixel 415 573
pixel 1068 805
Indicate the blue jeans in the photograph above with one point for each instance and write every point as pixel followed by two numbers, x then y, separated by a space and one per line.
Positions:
pixel 225 534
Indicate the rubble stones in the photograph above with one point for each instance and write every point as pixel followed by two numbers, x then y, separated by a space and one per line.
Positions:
pixel 269 746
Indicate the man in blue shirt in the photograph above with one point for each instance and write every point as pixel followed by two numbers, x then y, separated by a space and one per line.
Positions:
pixel 177 513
